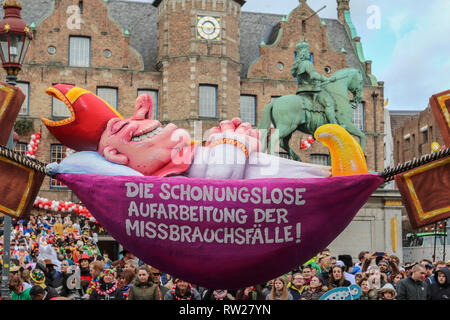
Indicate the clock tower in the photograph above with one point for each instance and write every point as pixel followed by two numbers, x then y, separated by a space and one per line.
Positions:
pixel 198 55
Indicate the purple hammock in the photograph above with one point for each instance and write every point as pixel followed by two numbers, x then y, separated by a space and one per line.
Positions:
pixel 223 234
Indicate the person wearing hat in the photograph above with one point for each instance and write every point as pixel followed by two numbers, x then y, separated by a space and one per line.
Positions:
pixel 54 278
pixel 408 268
pixel 107 288
pixel 156 278
pixel 85 274
pixel 384 267
pixel 182 290
pixel 14 270
pixel 120 263
pixel 38 279
pixel 440 289
pixel 387 292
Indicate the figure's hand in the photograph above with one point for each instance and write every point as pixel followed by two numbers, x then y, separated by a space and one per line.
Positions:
pixel 236 127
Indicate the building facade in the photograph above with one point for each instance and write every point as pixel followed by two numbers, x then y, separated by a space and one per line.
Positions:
pixel 201 60
pixel 414 136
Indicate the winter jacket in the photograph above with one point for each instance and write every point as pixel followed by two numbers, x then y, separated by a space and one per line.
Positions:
pixel 409 289
pixel 309 295
pixel 372 294
pixel 289 297
pixel 144 291
pixel 191 294
pixel 295 292
pixel 163 290
pixel 114 295
pixel 24 295
pixel 439 291
pixel 51 293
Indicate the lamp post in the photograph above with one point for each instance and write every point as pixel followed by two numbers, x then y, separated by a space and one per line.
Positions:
pixel 15 38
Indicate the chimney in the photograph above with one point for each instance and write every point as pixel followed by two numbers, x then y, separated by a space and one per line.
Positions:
pixel 368 64
pixel 342 6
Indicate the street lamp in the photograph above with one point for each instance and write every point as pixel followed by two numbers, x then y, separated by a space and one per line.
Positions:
pixel 15 38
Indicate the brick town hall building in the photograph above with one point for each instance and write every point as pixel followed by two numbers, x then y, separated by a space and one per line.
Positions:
pixel 200 60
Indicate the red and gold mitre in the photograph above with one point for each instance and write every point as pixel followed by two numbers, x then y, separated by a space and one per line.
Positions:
pixel 89 117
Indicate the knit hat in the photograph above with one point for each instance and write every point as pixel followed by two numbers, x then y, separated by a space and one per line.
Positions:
pixel 38 278
pixel 385 262
pixel 373 268
pixel 106 271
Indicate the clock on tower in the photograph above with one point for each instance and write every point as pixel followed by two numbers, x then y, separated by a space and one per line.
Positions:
pixel 208 28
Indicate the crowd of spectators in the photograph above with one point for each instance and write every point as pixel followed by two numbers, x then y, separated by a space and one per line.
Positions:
pixel 56 258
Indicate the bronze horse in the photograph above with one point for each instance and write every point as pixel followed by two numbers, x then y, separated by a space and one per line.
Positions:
pixel 292 113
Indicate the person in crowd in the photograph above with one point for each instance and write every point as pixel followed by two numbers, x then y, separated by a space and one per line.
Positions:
pixel 218 294
pixel 359 276
pixel 120 263
pixel 325 266
pixel 440 289
pixel 39 293
pixel 409 268
pixel 387 292
pixel 376 279
pixel 182 290
pixel 367 293
pixel 125 281
pixel 395 278
pixel 18 292
pixel 307 273
pixel 71 279
pixel 38 279
pixel 107 288
pixel 348 276
pixel 297 285
pixel 349 266
pixel 106 259
pixel 268 287
pixel 333 262
pixel 250 293
pixel 337 278
pixel 95 269
pixel 314 290
pixel 25 275
pixel 131 265
pixel 413 287
pixel 143 287
pixel 156 278
pixel 85 273
pixel 96 254
pixel 279 290
pixel 384 266
pixel 429 276
pixel 439 265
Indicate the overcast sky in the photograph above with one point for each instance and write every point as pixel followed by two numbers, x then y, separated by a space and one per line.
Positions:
pixel 410 47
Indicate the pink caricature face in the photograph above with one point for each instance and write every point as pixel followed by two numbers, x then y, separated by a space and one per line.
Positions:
pixel 140 142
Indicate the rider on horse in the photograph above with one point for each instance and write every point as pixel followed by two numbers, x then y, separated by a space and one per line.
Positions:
pixel 310 82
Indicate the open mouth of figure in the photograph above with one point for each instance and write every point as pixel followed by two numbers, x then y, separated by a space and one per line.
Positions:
pixel 146 134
